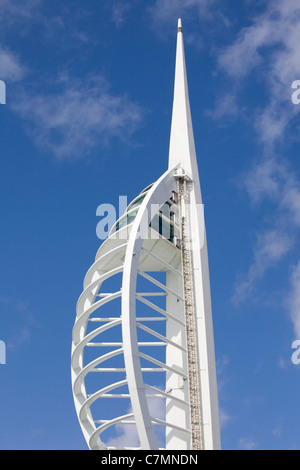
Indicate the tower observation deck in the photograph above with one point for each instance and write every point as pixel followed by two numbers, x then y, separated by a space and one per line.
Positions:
pixel 143 360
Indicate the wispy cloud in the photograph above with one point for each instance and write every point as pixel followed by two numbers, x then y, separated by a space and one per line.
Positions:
pixel 274 242
pixel 119 12
pixel 277 431
pixel 126 434
pixel 167 10
pixel 20 332
pixel 277 26
pixel 270 47
pixel 67 116
pixel 267 51
pixel 264 180
pixel 164 14
pixel 77 116
pixel 271 180
pixel 226 109
pixel 14 10
pixel 293 299
pixel 222 364
pixel 247 444
pixel 27 17
pixel 271 246
pixel 225 418
pixel 11 68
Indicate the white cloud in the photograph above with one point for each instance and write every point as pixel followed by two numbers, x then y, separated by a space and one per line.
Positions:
pixel 223 380
pixel 119 11
pixel 70 116
pixel 269 44
pixel 10 66
pixel 25 17
pixel 23 8
pixel 272 180
pixel 240 57
pixel 283 363
pixel 77 116
pixel 126 434
pixel 291 201
pixel 225 418
pixel 164 14
pixel 221 367
pixel 13 10
pixel 166 10
pixel 263 180
pixel 20 332
pixel 199 17
pixel 293 300
pixel 271 246
pixel 277 431
pixel 268 49
pixel 226 108
pixel 277 27
pixel 247 444
pixel 272 122
pixel 267 179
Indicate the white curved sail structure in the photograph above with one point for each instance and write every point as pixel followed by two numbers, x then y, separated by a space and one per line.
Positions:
pixel 143 363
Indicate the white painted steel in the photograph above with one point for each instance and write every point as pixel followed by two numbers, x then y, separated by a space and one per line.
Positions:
pixel 120 359
pixel 126 259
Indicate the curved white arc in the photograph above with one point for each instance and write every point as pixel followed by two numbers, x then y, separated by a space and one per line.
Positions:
pixel 104 258
pixel 78 349
pixel 115 421
pixel 93 398
pixel 87 426
pixel 86 305
pixel 82 318
pixel 91 288
pixel 158 194
pixel 83 372
pixel 95 436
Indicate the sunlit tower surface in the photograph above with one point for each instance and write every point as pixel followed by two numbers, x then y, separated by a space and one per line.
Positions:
pixel 143 360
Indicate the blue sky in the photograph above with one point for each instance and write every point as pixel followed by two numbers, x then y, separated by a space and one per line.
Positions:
pixel 89 100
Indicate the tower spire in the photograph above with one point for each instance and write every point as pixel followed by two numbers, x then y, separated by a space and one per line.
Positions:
pixel 189 387
pixel 182 146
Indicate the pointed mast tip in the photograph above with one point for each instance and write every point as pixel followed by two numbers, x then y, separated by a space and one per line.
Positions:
pixel 179 26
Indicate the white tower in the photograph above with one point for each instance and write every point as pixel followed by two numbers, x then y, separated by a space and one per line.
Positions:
pixel 143 360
